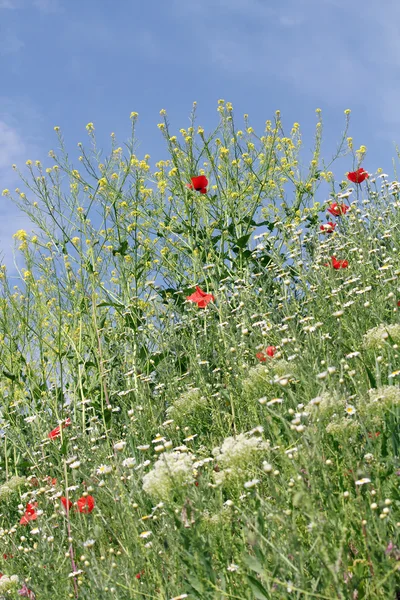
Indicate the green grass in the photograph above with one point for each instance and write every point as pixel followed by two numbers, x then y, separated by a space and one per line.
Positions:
pixel 214 473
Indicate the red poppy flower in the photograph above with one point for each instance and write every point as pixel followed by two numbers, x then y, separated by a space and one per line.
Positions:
pixel 56 432
pixel 357 176
pixel 200 297
pixel 66 503
pixel 199 184
pixel 338 209
pixel 85 504
pixel 269 351
pixel 139 575
pixel 398 302
pixel 376 434
pixel 338 264
pixel 328 227
pixel 30 513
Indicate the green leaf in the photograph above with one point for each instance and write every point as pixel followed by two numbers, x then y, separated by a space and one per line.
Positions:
pixel 122 249
pixel 253 564
pixel 242 241
pixel 9 375
pixel 258 590
pixel 371 376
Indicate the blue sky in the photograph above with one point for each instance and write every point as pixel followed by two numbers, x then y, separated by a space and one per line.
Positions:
pixel 68 62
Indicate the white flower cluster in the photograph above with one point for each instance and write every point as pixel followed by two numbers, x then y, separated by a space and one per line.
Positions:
pixel 324 403
pixel 8 584
pixel 190 403
pixel 383 397
pixel 375 338
pixel 171 471
pixel 257 376
pixel 237 455
pixel 11 486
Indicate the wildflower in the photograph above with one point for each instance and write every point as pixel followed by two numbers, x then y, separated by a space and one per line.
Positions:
pixel 103 469
pixel 269 351
pixel 30 513
pixel 350 410
pixel 56 432
pixel 85 504
pixel 201 298
pixel 26 592
pixel 75 465
pixel 386 395
pixel 145 534
pixel 190 404
pixel 232 567
pixel 199 183
pixel 357 176
pixel 252 483
pixel 363 481
pixel 66 503
pixel 338 209
pixel 236 455
pixel 119 446
pixel 128 462
pixel 338 264
pixel 7 584
pixel 375 337
pixel 328 227
pixel 171 471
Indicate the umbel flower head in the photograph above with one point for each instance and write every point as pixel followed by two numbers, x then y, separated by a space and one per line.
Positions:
pixel 377 336
pixel 201 298
pixel 387 396
pixel 237 455
pixel 171 472
pixel 13 484
pixel 357 176
pixel 190 404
